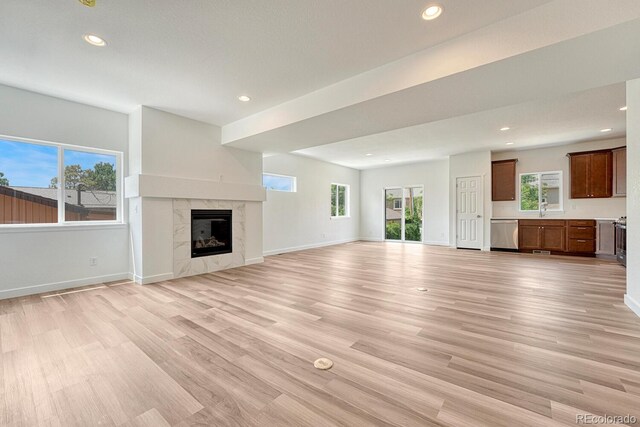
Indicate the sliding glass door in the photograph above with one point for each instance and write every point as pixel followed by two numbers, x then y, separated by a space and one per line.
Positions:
pixel 393 214
pixel 403 217
pixel 413 199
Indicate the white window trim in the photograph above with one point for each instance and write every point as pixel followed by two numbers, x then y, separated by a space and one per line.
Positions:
pixel 561 195
pixel 347 199
pixel 294 187
pixel 119 221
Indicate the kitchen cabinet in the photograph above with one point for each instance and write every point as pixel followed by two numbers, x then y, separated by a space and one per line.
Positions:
pixel 503 180
pixel 581 236
pixel 577 237
pixel 529 237
pixel 543 235
pixel 554 238
pixel 620 172
pixel 591 174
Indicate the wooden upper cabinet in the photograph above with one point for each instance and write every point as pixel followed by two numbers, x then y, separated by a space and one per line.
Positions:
pixel 620 172
pixel 591 174
pixel 503 180
pixel 579 171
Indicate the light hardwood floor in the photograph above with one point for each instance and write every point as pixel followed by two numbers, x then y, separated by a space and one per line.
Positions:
pixel 498 339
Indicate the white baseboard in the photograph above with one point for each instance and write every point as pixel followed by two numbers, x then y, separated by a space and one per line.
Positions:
pixel 436 243
pixel 305 247
pixel 633 304
pixel 57 286
pixel 371 239
pixel 257 260
pixel 146 280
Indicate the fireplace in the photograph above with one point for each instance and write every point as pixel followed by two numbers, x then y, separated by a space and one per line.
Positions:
pixel 210 232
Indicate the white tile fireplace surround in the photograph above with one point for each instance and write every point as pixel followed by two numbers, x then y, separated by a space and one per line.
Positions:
pixel 183 264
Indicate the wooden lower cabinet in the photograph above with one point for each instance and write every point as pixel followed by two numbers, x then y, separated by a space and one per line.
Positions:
pixel 577 237
pixel 554 238
pixel 529 237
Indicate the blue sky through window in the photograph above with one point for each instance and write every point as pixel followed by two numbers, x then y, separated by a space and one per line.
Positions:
pixel 279 183
pixel 28 165
pixel 86 160
pixel 33 165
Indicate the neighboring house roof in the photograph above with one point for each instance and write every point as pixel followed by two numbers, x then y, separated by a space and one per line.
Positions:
pixel 89 199
pixel 394 214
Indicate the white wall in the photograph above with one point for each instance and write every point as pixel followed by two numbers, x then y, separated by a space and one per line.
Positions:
pixel 433 175
pixel 34 260
pixel 295 221
pixel 466 165
pixel 555 159
pixel 174 146
pixel 632 298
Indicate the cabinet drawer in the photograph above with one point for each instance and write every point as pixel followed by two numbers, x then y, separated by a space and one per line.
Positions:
pixel 582 233
pixel 582 245
pixel 582 223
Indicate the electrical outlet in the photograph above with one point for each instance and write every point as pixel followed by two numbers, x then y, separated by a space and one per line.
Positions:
pixel 93 261
pixel 324 235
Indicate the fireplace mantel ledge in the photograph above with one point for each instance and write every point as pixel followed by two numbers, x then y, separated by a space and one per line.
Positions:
pixel 169 187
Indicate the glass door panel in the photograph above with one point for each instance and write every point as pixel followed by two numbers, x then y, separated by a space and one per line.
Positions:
pixel 413 202
pixel 393 214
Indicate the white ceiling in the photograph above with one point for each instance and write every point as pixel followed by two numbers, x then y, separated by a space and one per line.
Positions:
pixel 571 118
pixel 195 57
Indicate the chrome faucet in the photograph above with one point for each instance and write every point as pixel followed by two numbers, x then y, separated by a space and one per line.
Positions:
pixel 542 209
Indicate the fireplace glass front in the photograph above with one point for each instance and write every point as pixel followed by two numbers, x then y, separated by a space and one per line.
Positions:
pixel 210 232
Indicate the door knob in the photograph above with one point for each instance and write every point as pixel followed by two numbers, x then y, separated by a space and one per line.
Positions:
pixel 478 216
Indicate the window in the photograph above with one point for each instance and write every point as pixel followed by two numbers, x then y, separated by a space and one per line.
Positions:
pixel 339 200
pixel 279 182
pixel 46 183
pixel 397 204
pixel 541 191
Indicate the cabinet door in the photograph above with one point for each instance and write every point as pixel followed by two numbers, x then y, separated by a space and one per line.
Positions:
pixel 620 172
pixel 580 176
pixel 503 180
pixel 600 174
pixel 554 238
pixel 529 237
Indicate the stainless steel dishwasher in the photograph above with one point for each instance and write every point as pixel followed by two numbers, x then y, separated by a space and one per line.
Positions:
pixel 504 234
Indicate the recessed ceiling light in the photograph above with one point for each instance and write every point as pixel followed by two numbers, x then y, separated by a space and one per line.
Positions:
pixel 505 128
pixel 387 160
pixel 509 143
pixel 606 130
pixel 432 12
pixel 244 98
pixel 94 40
pixel 623 108
pixel 368 154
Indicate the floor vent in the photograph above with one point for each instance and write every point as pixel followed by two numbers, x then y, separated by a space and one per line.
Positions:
pixel 542 252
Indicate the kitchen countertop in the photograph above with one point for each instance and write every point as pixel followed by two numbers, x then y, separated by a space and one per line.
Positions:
pixel 551 217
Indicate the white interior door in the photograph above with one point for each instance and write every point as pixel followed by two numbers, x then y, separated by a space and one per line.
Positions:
pixel 469 209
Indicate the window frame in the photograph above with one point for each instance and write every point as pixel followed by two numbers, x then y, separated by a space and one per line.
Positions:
pixel 560 195
pixel 294 186
pixel 347 200
pixel 62 223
